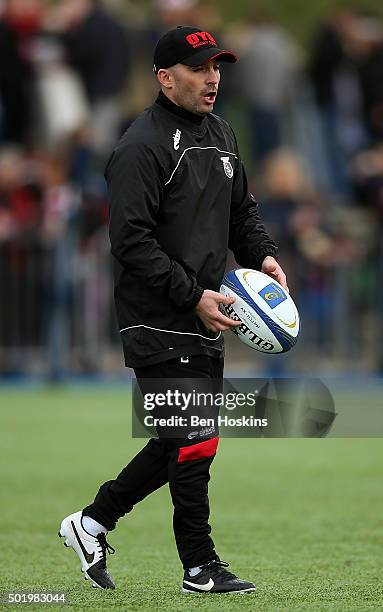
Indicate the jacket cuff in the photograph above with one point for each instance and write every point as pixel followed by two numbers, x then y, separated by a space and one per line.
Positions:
pixel 273 252
pixel 198 291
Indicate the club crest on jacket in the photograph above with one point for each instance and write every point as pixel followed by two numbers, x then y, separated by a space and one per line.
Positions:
pixel 227 167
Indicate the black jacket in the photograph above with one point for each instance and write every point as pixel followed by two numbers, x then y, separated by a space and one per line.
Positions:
pixel 178 199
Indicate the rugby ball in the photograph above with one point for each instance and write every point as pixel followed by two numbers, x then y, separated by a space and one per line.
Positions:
pixel 268 315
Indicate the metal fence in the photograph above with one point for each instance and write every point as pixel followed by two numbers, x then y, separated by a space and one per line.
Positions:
pixel 57 313
pixel 56 308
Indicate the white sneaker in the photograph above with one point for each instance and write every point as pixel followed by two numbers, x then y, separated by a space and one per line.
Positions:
pixel 90 549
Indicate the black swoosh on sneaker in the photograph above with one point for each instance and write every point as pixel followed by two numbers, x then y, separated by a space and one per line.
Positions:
pixel 89 557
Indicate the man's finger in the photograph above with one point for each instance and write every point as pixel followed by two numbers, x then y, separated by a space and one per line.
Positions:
pixel 224 320
pixel 223 299
pixel 221 327
pixel 281 278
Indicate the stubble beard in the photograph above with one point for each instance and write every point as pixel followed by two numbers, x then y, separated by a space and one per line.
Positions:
pixel 187 103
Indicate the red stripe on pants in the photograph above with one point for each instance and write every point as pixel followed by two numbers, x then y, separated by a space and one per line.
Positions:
pixel 198 451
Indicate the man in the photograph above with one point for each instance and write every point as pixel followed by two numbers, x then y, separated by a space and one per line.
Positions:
pixel 97 48
pixel 178 199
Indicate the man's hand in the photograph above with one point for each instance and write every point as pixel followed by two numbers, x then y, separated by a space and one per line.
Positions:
pixel 271 267
pixel 208 311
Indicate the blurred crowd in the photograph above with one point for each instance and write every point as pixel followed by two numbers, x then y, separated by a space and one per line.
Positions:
pixel 309 119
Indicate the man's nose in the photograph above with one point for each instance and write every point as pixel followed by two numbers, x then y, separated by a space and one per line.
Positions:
pixel 212 77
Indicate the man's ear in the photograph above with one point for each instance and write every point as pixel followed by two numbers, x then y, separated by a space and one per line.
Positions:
pixel 165 77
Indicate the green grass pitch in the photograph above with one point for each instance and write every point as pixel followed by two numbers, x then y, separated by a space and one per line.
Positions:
pixel 302 518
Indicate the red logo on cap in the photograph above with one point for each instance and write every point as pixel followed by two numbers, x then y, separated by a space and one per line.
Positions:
pixel 200 38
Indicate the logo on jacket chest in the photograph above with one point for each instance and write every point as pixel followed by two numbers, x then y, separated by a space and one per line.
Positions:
pixel 227 167
pixel 176 139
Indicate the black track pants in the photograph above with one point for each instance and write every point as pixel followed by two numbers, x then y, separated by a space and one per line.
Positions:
pixel 182 462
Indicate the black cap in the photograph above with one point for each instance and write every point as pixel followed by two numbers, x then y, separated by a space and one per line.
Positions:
pixel 190 46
